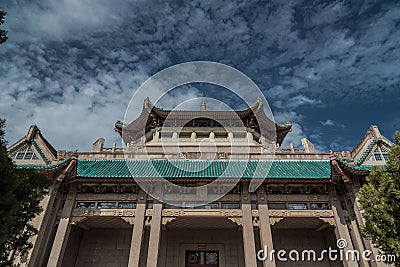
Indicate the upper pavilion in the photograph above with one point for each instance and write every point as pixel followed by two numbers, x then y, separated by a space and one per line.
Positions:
pixel 249 124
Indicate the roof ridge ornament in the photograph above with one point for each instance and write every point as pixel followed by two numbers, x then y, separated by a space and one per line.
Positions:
pixel 203 106
pixel 147 104
pixel 332 156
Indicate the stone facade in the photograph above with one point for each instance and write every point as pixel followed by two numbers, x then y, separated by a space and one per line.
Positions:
pixel 97 215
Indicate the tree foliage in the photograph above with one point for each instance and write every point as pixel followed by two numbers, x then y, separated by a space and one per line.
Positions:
pixel 380 201
pixel 3 33
pixel 20 194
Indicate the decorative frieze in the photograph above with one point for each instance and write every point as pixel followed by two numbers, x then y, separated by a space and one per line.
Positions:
pixel 149 212
pixel 230 213
pixel 108 188
pixel 301 213
pixel 255 213
pixel 166 220
pixel 297 197
pixel 195 213
pixel 322 213
pixel 297 189
pixel 274 220
pixel 130 220
pixel 173 212
pixel 103 212
pixel 330 221
pixel 237 220
pixel 76 220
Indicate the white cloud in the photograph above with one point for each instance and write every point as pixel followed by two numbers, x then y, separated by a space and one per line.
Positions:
pixel 78 63
pixel 301 100
pixel 332 123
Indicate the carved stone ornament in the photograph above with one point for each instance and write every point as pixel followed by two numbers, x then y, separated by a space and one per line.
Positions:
pixel 279 213
pixel 130 220
pixel 236 220
pixel 149 212
pixel 147 222
pixel 166 220
pixel 255 213
pixel 77 220
pixel 322 213
pixel 273 221
pixel 330 221
pixel 230 213
pixel 175 213
pixel 256 222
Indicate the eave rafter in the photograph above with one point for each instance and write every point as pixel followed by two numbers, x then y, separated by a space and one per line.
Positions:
pixel 343 171
pixel 60 171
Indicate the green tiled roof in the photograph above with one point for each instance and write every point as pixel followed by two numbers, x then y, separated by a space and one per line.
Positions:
pixel 357 168
pixel 306 169
pixel 42 167
pixel 285 126
pixel 40 152
pixel 366 152
pixel 120 125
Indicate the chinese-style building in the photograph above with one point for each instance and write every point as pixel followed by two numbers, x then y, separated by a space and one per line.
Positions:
pixel 97 214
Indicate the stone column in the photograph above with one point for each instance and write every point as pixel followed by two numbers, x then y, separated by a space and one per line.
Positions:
pixel 154 239
pixel 40 222
pixel 137 235
pixel 341 230
pixel 248 236
pixel 355 232
pixel 162 254
pixel 266 234
pixel 249 137
pixel 230 137
pixel 63 230
pixel 156 136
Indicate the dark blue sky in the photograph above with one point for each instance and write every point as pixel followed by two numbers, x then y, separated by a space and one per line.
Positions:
pixel 330 67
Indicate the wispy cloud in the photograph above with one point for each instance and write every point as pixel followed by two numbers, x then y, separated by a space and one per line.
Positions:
pixel 332 123
pixel 78 63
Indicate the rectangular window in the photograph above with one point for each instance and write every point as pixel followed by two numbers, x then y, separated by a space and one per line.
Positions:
pixel 106 205
pixel 230 206
pixel 319 206
pixel 149 205
pixel 277 206
pixel 253 206
pixel 239 135
pixel 85 205
pixel 127 205
pixel 202 135
pixel 168 206
pixel 297 206
pixel 211 206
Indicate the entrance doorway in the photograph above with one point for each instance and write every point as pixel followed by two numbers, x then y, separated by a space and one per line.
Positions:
pixel 201 258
